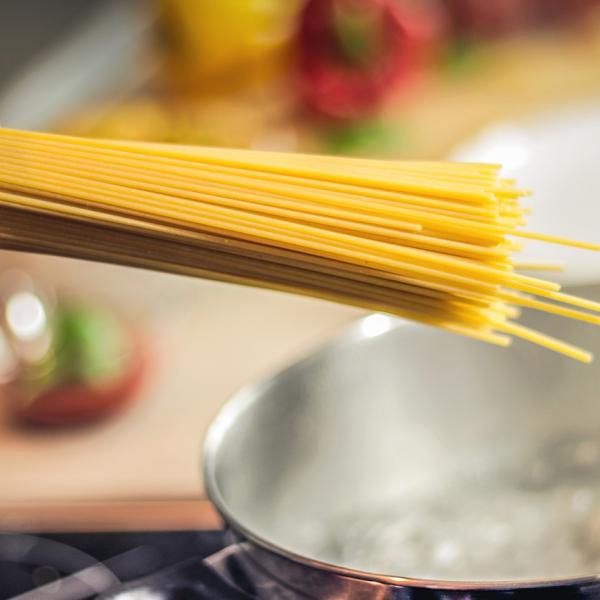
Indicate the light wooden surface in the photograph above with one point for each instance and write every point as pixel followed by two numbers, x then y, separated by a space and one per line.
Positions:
pixel 207 339
pixel 147 515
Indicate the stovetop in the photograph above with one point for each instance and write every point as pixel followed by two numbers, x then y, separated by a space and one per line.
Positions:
pixel 120 566
pixel 185 565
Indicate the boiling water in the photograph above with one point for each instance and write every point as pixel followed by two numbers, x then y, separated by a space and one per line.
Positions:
pixel 538 521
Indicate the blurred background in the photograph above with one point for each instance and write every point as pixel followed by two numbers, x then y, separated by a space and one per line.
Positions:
pixel 109 376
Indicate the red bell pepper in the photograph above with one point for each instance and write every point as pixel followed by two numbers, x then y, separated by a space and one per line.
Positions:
pixel 354 53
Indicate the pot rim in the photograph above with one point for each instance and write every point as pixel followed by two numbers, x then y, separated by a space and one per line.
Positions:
pixel 251 393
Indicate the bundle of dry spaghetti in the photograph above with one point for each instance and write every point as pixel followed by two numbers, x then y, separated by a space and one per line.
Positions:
pixel 428 241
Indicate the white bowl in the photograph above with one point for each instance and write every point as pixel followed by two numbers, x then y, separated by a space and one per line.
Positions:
pixel 557 155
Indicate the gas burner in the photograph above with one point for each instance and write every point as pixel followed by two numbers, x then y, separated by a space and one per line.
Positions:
pixel 116 566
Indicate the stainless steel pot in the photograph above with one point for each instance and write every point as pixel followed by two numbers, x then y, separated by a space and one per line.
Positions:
pixel 404 462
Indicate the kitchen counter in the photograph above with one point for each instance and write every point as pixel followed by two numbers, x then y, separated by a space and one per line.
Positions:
pixel 206 340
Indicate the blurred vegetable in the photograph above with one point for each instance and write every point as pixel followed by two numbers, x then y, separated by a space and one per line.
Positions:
pixel 72 403
pixel 366 138
pixel 481 19
pixel 486 18
pixel 355 53
pixel 214 44
pixel 92 367
pixel 565 11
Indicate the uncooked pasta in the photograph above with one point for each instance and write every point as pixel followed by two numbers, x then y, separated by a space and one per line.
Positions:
pixel 433 242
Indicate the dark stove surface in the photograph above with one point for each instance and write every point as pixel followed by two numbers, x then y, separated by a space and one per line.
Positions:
pixel 116 566
pixel 203 565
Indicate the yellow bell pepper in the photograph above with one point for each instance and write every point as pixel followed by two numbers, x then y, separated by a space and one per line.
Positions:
pixel 224 43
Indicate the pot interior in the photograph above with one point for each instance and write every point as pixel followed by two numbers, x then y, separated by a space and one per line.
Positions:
pixel 417 453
